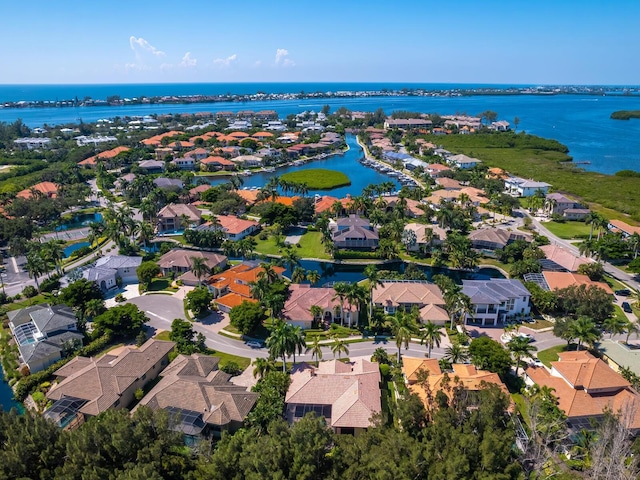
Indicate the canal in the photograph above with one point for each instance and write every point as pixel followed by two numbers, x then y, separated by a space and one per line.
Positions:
pixel 348 163
pixel 6 395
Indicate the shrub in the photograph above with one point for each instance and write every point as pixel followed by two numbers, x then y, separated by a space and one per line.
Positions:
pixel 82 251
pixel 231 368
pixel 30 291
pixel 385 370
pixel 49 285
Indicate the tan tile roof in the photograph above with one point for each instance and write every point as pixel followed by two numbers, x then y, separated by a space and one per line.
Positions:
pixel 563 257
pixel 103 381
pixel 420 230
pixel 181 258
pixel 624 227
pixel 303 297
pixel 560 280
pixel 397 293
pixel 174 210
pixel 352 389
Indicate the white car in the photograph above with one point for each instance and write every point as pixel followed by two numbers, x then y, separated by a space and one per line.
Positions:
pixel 254 344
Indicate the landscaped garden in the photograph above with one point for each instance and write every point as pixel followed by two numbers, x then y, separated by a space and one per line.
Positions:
pixel 318 178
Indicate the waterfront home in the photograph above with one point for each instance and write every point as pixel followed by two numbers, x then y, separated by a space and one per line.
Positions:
pixel 151 166
pixel 427 236
pixel 496 300
pixel 105 156
pixel 297 308
pixel 86 387
pixel 248 161
pixel 156 140
pixel 412 209
pixel 553 281
pixel 174 184
pixel 463 162
pixel 448 183
pixel 436 170
pixel 233 286
pixel 185 163
pixel 407 295
pixel 42 333
pixel 177 216
pixel 33 143
pixel 201 400
pixel 560 259
pixel 355 232
pixel 179 260
pixel 559 204
pixel 500 126
pixel 107 270
pixel 195 192
pixel 618 226
pixel 346 394
pixel 586 388
pixel 239 125
pixel 435 381
pixel 215 163
pixel 265 115
pixel 521 187
pixel 234 228
pixel 42 189
pixel 326 203
pixel 407 123
pixel 495 238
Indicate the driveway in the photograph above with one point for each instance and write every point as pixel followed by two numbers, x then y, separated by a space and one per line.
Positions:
pixel 161 309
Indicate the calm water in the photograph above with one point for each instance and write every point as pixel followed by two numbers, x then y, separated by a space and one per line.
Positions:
pixel 6 395
pixel 81 220
pixel 360 175
pixel 72 248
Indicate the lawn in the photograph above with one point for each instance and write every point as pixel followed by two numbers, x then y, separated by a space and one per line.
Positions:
pixel 614 283
pixel 318 178
pixel 551 354
pixel 619 313
pixel 310 246
pixel 27 302
pixel 569 230
pixel 160 284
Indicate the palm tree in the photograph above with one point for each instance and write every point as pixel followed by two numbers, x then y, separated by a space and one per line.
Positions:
pixel 631 327
pixel 341 289
pixel 316 312
pixel 459 308
pixel 403 325
pixel 54 253
pixel 432 335
pixel 339 347
pixel 35 266
pixel 275 302
pixel 199 267
pixel 146 233
pixel 262 366
pixel 290 258
pixel 356 296
pixel 456 353
pixel 585 331
pixel 313 276
pixel 615 325
pixel 315 348
pixel 592 219
pixel 373 277
pixel 519 348
pixel 279 343
pixel 268 273
pixel 298 275
pixel 634 243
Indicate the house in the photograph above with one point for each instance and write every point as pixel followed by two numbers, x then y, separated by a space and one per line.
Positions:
pixel 42 333
pixel 520 187
pixel 42 189
pixel 561 259
pixel 325 203
pixel 406 295
pixel 109 269
pixel 93 385
pixel 586 388
pixel 297 309
pixel 412 209
pixel 436 382
pixel 185 163
pixel 215 163
pixel 248 160
pixel 500 126
pixel 33 143
pixel 495 238
pixel 107 155
pixel 355 232
pixel 234 228
pixel 151 166
pixel 558 280
pixel 200 399
pixel 121 183
pixel 179 260
pixel 347 395
pixel 198 154
pixel 448 183
pixel 558 204
pixel 463 162
pixel 195 192
pixel 619 355
pixel 426 236
pixel 232 287
pixel 178 216
pixel 94 140
pixel 618 226
pixel 164 183
pixel 496 300
pixel 436 169
pixel 406 123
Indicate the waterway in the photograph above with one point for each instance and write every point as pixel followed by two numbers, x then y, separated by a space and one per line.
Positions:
pixel 6 395
pixel 579 121
pixel 347 163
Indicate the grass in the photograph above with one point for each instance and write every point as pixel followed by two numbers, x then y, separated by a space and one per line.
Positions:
pixel 310 246
pixel 521 405
pixel 27 302
pixel 539 325
pixel 569 230
pixel 161 284
pixel 178 238
pixel 614 283
pixel 551 354
pixel 318 178
pixel 533 157
pixel 619 313
pixel 164 335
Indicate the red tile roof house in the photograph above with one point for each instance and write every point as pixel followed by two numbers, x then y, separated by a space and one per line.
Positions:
pixel 347 395
pixel 198 154
pixel 170 218
pixel 585 387
pixel 93 385
pixel 215 163
pixel 108 155
pixel 427 297
pixel 297 309
pixel 234 228
pixel 45 189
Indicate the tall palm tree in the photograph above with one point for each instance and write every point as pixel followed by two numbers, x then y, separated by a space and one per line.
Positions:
pixel 268 273
pixel 146 233
pixel 592 219
pixel 298 341
pixel 199 267
pixel 35 266
pixel 403 325
pixel 432 335
pixel 316 312
pixel 459 308
pixel 634 243
pixel 355 295
pixel 341 289
pixel 313 276
pixel 54 253
pixel 456 353
pixel 279 343
pixel 585 330
pixel 290 258
pixel 339 347
pixel 298 275
pixel 262 366
pixel 615 325
pixel 373 277
pixel 631 327
pixel 275 302
pixel 520 348
pixel 315 348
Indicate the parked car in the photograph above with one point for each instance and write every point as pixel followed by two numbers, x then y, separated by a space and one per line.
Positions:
pixel 254 344
pixel 623 293
pixel 626 307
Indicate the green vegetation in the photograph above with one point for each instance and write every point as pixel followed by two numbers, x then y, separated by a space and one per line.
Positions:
pixel 547 160
pixel 551 354
pixel 625 114
pixel 310 246
pixel 318 178
pixel 568 230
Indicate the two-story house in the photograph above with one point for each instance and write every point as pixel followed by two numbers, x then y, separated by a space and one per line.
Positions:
pixel 409 294
pixel 178 216
pixel 521 187
pixel 495 300
pixel 234 228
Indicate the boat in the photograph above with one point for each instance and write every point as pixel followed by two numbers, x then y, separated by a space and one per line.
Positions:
pixel 269 169
pixel 246 173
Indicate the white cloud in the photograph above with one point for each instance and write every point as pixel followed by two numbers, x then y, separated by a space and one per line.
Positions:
pixel 187 61
pixel 281 58
pixel 226 62
pixel 139 45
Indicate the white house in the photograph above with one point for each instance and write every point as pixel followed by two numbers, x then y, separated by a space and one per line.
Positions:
pixel 464 162
pixel 185 163
pixel 521 187
pixel 495 300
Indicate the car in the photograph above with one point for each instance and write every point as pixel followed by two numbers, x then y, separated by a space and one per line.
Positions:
pixel 623 293
pixel 254 344
pixel 626 307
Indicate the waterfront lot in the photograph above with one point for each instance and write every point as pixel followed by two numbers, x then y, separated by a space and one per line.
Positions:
pixel 310 246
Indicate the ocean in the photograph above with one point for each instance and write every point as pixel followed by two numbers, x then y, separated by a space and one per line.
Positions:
pixel 579 121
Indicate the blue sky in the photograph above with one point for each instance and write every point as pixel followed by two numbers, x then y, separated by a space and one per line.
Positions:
pixel 538 42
